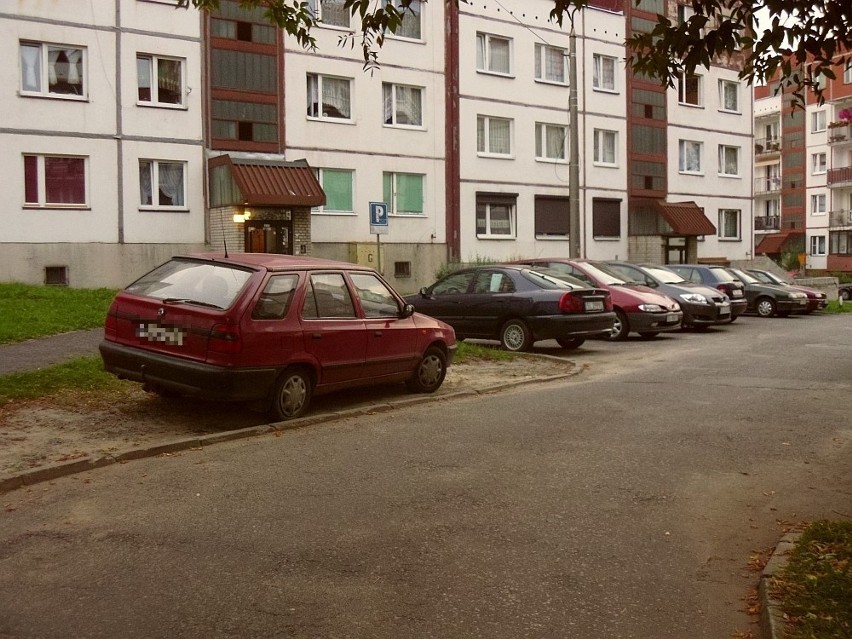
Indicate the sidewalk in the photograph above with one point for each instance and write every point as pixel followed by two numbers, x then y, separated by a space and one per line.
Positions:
pixel 48 351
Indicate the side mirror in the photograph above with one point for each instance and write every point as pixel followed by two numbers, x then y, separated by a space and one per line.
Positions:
pixel 407 311
pixel 424 291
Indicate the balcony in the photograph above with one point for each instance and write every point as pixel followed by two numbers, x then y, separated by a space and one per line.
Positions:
pixel 839 218
pixel 840 132
pixel 840 177
pixel 768 184
pixel 767 223
pixel 766 146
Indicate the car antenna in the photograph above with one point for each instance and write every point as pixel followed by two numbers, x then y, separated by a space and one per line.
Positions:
pixel 224 240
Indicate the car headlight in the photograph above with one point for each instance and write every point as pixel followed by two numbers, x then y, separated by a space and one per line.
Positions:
pixel 797 296
pixel 651 308
pixel 695 298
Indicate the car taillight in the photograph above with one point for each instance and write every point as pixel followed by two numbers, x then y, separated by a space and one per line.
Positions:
pixel 570 303
pixel 725 288
pixel 608 302
pixel 225 338
pixel 111 323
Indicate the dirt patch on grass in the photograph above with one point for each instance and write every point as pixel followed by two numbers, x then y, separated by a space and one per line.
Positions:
pixel 68 426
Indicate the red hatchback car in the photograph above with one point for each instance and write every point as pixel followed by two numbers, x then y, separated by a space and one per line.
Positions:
pixel 637 307
pixel 271 328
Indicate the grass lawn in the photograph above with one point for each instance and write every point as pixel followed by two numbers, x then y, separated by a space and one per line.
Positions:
pixel 36 311
pixel 815 589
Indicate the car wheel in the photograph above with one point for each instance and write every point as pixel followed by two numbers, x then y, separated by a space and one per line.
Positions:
pixel 765 307
pixel 648 334
pixel 515 336
pixel 570 343
pixel 292 394
pixel 845 294
pixel 430 372
pixel 620 327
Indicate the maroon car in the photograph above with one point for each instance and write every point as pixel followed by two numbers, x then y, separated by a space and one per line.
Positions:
pixel 637 307
pixel 275 329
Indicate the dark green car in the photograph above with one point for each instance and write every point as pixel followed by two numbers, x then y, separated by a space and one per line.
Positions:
pixel 770 300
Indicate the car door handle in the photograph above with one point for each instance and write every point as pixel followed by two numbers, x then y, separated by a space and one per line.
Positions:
pixel 377 333
pixel 316 336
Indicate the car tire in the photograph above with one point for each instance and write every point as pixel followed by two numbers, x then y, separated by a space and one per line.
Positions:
pixel 430 372
pixel 845 294
pixel 570 343
pixel 620 327
pixel 292 394
pixel 648 334
pixel 765 307
pixel 515 336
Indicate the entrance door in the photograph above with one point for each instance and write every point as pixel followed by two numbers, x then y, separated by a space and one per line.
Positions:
pixel 675 250
pixel 269 236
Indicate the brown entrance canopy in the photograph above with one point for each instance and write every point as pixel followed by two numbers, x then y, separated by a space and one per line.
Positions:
pixel 251 182
pixel 685 218
pixel 771 244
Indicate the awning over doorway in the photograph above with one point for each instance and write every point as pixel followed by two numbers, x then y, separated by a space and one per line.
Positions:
pixel 772 244
pixel 254 182
pixel 685 218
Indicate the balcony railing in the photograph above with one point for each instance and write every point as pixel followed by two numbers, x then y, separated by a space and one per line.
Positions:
pixel 839 218
pixel 767 146
pixel 839 132
pixel 767 223
pixel 839 177
pixel 770 184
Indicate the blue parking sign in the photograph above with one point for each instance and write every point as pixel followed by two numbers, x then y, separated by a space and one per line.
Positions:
pixel 378 218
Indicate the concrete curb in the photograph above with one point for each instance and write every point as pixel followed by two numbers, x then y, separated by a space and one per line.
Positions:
pixel 771 617
pixel 84 464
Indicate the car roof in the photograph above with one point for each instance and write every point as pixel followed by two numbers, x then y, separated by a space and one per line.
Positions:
pixel 274 261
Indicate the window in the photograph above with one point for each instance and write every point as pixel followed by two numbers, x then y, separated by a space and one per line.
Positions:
pixel 168 89
pixel 689 160
pixel 841 243
pixel 551 142
pixel 729 96
pixel 684 13
pixel 338 187
pixel 847 73
pixel 495 215
pixel 604 142
pixel 162 184
pixel 603 73
pixel 493 54
pixel 329 98
pixel 411 21
pixel 493 135
pixel 729 160
pixel 729 224
pixel 818 121
pixel 275 300
pixel 53 70
pixel 689 90
pixel 236 120
pixel 818 204
pixel 53 181
pixel 818 245
pixel 330 12
pixel 818 163
pixel 552 216
pixel 403 105
pixel 375 297
pixel 550 64
pixel 328 296
pixel 606 218
pixel 772 208
pixel 403 193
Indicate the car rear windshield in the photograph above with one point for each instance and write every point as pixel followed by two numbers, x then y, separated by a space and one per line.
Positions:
pixel 193 282
pixel 722 275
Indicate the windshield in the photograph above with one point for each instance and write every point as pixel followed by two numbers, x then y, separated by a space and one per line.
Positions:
pixel 722 275
pixel 554 280
pixel 664 275
pixel 603 273
pixel 745 278
pixel 190 281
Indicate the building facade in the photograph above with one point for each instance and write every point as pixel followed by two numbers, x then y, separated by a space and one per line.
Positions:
pixel 102 140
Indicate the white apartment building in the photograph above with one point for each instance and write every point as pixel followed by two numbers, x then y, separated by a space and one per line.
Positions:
pixel 100 139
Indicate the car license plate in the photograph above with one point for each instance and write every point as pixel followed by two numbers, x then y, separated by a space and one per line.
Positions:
pixel 163 334
pixel 723 312
pixel 594 306
pixel 671 318
pixel 736 293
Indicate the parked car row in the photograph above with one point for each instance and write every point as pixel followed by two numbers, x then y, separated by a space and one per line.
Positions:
pixel 277 330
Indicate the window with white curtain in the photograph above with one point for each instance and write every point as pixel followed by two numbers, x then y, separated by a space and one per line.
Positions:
pixel 403 193
pixel 818 163
pixel 411 27
pixel 402 105
pixel 604 143
pixel 493 54
pixel 495 215
pixel 493 135
pixel 603 72
pixel 818 204
pixel 55 181
pixel 729 160
pixel 330 12
pixel 551 142
pixel 729 224
pixel 53 70
pixel 551 64
pixel 162 184
pixel 818 121
pixel 329 98
pixel 818 245
pixel 729 96
pixel 689 156
pixel 159 80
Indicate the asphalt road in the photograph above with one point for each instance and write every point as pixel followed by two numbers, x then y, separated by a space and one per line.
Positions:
pixel 627 502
